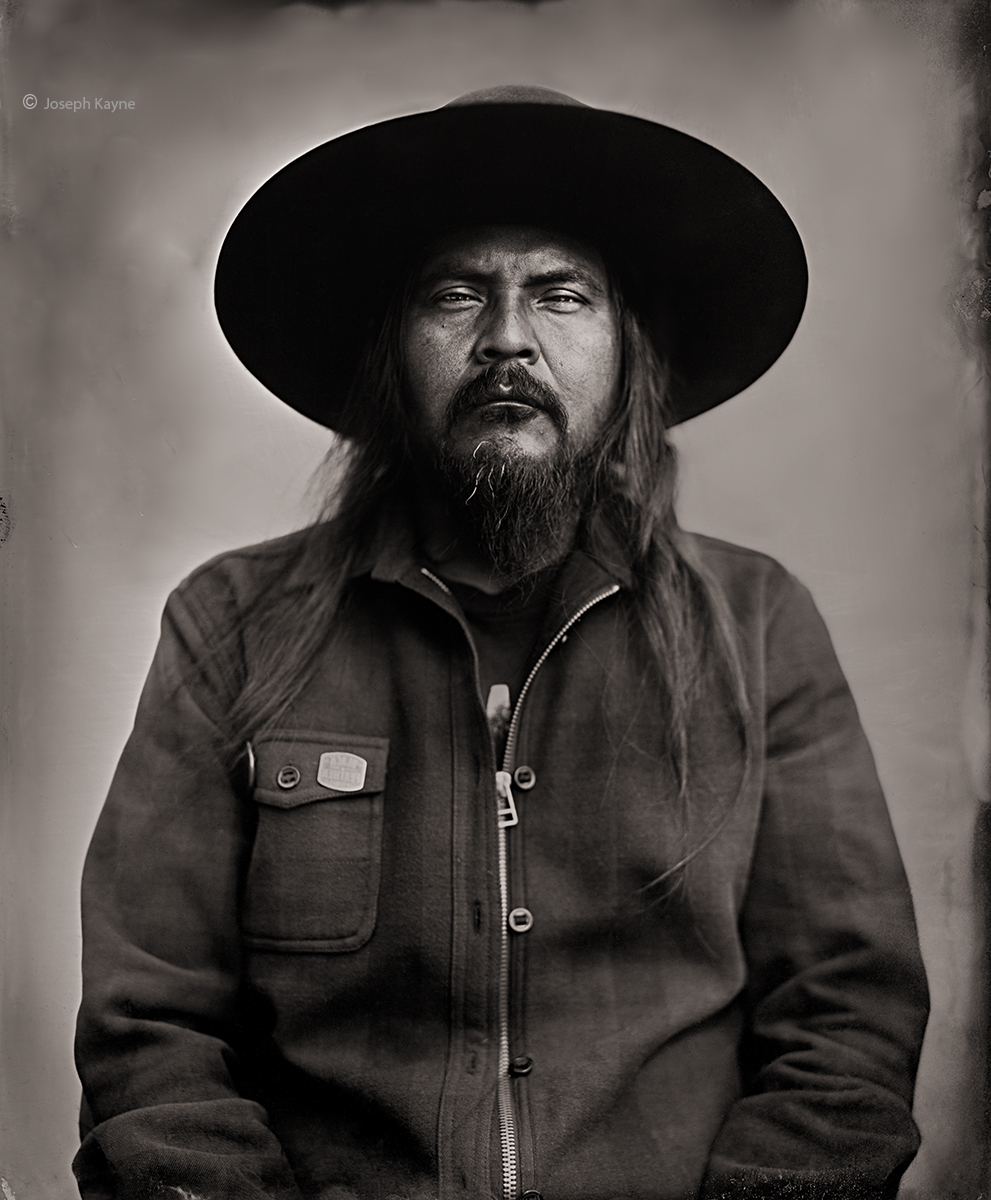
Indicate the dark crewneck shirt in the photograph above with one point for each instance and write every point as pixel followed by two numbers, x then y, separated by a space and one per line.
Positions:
pixel 505 628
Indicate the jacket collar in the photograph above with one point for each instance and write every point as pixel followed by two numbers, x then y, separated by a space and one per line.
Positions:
pixel 394 557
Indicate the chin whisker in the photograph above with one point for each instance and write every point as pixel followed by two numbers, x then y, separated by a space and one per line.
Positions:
pixel 517 512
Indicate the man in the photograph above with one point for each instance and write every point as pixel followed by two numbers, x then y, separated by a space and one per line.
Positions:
pixel 493 837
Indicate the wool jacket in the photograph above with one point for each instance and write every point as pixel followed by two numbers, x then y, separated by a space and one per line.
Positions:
pixel 380 964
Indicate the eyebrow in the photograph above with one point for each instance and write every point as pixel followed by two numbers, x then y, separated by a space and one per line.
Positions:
pixel 566 275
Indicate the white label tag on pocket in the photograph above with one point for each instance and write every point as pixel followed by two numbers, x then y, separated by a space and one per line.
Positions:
pixel 342 772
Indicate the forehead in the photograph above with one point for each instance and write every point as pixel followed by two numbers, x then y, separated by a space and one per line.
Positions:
pixel 516 252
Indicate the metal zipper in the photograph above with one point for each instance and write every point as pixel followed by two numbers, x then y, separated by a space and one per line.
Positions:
pixel 514 724
pixel 508 816
pixel 507 1120
pixel 440 582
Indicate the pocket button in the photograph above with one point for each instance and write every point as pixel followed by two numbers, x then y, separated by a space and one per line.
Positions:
pixel 288 777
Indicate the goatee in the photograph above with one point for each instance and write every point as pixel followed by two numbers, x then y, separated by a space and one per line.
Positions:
pixel 518 513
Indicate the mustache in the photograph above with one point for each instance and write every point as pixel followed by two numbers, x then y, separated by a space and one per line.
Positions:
pixel 507 381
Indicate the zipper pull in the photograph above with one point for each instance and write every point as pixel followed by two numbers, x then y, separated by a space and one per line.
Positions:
pixel 507 808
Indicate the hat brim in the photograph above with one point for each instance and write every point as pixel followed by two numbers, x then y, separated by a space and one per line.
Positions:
pixel 702 248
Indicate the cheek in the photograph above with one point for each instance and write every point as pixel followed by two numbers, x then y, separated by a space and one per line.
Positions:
pixel 430 366
pixel 588 373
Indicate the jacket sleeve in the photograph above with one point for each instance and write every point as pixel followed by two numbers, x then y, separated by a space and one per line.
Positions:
pixel 836 996
pixel 161 1020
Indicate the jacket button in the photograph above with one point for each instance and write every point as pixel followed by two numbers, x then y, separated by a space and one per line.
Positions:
pixel 520 920
pixel 287 777
pixel 521 1065
pixel 531 1195
pixel 525 777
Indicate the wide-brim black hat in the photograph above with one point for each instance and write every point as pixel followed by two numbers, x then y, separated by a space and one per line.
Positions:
pixel 702 249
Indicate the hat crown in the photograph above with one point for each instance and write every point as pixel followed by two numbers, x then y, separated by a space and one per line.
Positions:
pixel 515 93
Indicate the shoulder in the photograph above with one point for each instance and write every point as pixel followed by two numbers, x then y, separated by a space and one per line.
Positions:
pixel 217 595
pixel 210 619
pixel 250 562
pixel 775 614
pixel 753 583
pixel 247 567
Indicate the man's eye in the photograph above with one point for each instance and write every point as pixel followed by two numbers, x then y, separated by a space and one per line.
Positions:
pixel 456 297
pixel 562 301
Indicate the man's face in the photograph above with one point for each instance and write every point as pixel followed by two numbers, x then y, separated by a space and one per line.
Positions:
pixel 511 341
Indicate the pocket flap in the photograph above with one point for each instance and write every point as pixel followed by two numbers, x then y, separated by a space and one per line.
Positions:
pixel 298 766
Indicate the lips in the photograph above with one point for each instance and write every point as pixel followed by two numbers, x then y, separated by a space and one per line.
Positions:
pixel 506 393
pixel 512 410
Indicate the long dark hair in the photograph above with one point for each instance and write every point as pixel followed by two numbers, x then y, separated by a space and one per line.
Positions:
pixel 681 608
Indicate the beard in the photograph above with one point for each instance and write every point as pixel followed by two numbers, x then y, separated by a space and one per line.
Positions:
pixel 513 510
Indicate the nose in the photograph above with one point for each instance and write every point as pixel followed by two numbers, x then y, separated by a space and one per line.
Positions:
pixel 507 334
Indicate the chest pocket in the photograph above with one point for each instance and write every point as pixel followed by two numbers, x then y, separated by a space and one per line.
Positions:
pixel 313 881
